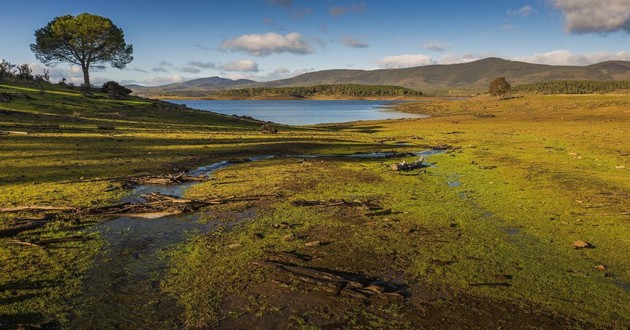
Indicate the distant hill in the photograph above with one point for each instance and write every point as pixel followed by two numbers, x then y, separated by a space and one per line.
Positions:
pixel 431 79
pixel 196 87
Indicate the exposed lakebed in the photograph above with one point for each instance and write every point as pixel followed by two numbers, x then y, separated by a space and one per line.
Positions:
pixel 123 286
pixel 302 112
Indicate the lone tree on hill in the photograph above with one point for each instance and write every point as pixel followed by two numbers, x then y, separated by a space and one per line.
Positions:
pixel 87 40
pixel 499 87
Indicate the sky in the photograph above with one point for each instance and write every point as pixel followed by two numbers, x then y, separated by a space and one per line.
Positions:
pixel 263 40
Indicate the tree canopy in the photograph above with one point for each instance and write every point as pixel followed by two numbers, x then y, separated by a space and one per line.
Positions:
pixel 87 40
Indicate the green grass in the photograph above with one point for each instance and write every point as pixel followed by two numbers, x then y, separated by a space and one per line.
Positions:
pixel 533 175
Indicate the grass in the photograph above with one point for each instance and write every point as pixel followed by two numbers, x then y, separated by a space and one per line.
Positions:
pixel 523 180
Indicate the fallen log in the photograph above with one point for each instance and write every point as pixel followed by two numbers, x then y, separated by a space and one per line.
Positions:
pixel 7 232
pixel 13 132
pixel 15 241
pixel 404 166
pixel 35 208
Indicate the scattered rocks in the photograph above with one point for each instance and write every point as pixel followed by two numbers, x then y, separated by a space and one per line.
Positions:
pixel 578 245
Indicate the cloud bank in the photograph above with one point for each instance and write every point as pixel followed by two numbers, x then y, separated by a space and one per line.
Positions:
pixel 268 43
pixel 600 16
pixel 240 66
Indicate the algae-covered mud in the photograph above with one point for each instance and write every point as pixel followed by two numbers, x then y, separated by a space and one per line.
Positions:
pixel 518 217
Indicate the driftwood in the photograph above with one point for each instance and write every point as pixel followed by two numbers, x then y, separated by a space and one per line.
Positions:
pixel 6 232
pixel 34 208
pixel 13 133
pixel 15 241
pixel 337 283
pixel 404 166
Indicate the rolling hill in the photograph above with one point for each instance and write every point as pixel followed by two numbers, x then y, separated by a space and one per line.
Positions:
pixel 431 79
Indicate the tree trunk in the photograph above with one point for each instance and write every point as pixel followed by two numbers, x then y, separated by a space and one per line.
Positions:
pixel 86 77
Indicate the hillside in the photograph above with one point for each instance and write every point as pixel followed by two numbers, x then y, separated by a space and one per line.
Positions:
pixel 431 79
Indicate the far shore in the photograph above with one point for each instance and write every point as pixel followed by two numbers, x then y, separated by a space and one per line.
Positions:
pixel 288 98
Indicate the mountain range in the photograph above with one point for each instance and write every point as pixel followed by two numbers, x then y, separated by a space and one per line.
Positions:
pixel 460 78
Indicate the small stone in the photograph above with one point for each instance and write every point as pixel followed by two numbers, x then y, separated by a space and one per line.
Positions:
pixel 619 167
pixel 234 246
pixel 601 268
pixel 581 245
pixel 313 243
pixel 288 237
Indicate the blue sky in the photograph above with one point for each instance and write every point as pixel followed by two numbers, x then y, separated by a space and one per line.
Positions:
pixel 271 39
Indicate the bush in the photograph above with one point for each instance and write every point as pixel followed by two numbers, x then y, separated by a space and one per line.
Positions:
pixel 25 72
pixel 7 70
pixel 499 87
pixel 115 90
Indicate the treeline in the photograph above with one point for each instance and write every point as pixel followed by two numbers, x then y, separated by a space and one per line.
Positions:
pixel 10 71
pixel 573 87
pixel 350 90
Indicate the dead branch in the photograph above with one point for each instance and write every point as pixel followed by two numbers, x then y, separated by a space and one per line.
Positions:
pixel 34 208
pixel 15 241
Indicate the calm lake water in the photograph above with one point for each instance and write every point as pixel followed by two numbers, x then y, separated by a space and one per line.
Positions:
pixel 301 112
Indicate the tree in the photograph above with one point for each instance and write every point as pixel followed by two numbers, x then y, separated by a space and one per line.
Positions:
pixel 499 87
pixel 25 72
pixel 87 40
pixel 6 69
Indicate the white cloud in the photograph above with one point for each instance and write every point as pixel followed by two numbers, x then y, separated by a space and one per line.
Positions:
pixel 190 69
pixel 354 43
pixel 523 11
pixel 202 65
pixel 157 81
pixel 404 61
pixel 240 66
pixel 462 58
pixel 584 16
pixel 565 57
pixel 435 46
pixel 359 7
pixel 268 43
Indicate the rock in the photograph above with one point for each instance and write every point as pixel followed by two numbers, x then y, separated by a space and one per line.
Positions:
pixel 313 243
pixel 620 167
pixel 375 288
pixel 578 245
pixel 601 268
pixel 234 246
pixel 288 237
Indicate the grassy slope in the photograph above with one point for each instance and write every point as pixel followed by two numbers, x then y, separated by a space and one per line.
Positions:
pixel 555 181
pixel 537 176
pixel 74 139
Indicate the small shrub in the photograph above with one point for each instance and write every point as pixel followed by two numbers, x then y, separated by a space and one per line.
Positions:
pixel 499 87
pixel 115 90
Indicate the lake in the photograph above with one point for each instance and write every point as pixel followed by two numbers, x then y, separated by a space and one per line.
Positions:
pixel 302 112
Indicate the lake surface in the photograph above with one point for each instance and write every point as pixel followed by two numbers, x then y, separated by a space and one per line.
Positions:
pixel 302 112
